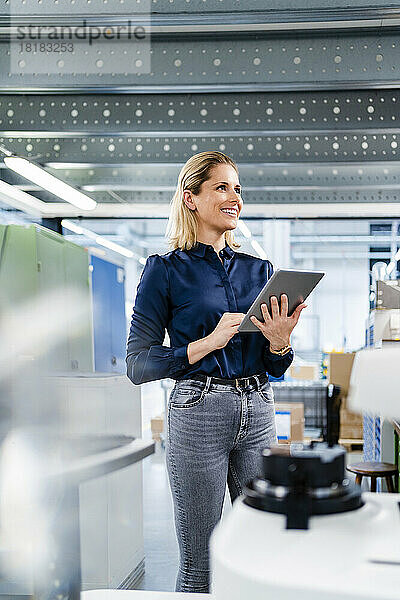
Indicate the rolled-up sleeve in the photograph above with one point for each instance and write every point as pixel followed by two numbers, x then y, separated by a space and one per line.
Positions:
pixel 276 365
pixel 147 359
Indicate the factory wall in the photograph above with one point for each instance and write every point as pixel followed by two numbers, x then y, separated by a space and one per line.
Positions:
pixel 341 299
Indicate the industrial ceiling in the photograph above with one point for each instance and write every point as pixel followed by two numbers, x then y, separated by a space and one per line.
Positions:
pixel 304 96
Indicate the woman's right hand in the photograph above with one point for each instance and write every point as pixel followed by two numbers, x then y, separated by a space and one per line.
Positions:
pixel 226 329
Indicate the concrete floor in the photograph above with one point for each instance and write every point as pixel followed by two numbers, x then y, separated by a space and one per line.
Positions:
pixel 161 550
pixel 160 545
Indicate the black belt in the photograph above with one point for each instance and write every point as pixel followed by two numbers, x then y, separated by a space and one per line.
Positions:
pixel 262 378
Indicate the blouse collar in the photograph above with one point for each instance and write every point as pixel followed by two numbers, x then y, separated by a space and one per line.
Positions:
pixel 199 249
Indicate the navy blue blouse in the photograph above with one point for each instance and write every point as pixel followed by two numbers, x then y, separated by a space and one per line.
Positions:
pixel 186 292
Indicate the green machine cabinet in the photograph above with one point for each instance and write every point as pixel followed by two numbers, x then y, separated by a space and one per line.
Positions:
pixel 35 261
pixel 18 264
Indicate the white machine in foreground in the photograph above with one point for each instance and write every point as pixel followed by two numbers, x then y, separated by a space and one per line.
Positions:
pixel 353 555
pixel 301 531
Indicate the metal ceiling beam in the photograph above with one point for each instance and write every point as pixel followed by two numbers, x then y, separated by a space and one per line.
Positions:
pixel 79 89
pixel 373 189
pixel 146 240
pixel 288 211
pixel 250 133
pixel 290 197
pixel 291 21
pixel 377 175
pixel 248 190
pixel 338 254
pixel 345 239
pixel 59 166
pixel 220 26
pixel 177 7
pixel 202 114
pixel 277 148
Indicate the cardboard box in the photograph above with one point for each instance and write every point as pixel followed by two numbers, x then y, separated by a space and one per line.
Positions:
pixel 340 365
pixel 304 372
pixel 348 417
pixel 157 427
pixel 351 425
pixel 289 421
pixel 347 432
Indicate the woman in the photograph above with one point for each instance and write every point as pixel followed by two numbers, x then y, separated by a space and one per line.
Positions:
pixel 221 409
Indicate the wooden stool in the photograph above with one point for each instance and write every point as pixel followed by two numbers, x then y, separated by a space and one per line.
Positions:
pixel 374 470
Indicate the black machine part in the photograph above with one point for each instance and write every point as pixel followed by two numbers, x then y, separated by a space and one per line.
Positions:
pixel 331 430
pixel 300 481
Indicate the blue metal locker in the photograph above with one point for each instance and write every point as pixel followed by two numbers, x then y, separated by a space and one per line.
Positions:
pixel 109 323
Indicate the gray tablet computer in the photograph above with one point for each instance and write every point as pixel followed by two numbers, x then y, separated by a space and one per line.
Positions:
pixel 297 285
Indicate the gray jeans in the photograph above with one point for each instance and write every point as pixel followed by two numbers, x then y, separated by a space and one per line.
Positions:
pixel 216 433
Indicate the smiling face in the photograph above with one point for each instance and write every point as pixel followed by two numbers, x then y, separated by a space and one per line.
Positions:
pixel 219 203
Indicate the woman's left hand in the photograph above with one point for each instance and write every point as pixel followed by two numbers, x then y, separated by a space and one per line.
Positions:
pixel 278 327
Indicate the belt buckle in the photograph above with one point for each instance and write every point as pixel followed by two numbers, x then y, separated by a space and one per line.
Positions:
pixel 245 380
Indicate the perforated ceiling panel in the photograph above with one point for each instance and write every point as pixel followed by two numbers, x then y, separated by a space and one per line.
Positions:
pixel 272 112
pixel 158 148
pixel 317 62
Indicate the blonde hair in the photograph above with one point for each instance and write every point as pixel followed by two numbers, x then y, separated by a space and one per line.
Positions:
pixel 182 223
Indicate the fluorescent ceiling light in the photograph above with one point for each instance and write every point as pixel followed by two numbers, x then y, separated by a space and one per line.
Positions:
pixel 115 247
pixel 244 229
pixel 77 228
pixel 247 233
pixel 100 240
pixel 390 267
pixel 47 181
pixel 258 249
pixel 72 226
pixel 11 195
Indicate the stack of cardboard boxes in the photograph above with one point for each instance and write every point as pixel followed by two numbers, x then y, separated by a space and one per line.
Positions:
pixel 289 422
pixel 351 424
